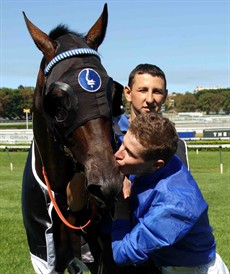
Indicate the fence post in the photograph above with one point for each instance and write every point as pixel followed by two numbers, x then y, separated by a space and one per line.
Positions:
pixel 8 154
pixel 221 164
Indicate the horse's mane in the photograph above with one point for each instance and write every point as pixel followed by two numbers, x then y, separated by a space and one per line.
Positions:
pixel 62 29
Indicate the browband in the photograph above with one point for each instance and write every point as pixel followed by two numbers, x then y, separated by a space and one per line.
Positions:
pixel 67 54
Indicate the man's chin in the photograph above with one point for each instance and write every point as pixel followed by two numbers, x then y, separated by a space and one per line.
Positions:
pixel 124 171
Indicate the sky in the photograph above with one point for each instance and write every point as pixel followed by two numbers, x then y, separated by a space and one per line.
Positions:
pixel 188 39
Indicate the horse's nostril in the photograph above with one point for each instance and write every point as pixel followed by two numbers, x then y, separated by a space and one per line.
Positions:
pixel 103 198
pixel 98 202
pixel 96 192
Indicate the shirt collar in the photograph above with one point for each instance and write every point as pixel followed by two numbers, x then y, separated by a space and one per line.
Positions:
pixel 123 122
pixel 173 164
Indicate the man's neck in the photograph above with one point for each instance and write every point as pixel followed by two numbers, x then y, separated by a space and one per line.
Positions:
pixel 132 116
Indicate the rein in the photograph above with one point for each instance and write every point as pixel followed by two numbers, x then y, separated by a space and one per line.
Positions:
pixel 52 198
pixel 58 211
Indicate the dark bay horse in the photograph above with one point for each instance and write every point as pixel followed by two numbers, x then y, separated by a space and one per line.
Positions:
pixel 72 116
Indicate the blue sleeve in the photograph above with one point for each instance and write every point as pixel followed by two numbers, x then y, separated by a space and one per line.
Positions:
pixel 161 226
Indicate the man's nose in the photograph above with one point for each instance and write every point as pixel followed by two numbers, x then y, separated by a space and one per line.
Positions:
pixel 118 154
pixel 149 97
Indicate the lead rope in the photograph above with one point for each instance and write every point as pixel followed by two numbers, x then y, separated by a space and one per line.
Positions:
pixel 58 211
pixel 52 198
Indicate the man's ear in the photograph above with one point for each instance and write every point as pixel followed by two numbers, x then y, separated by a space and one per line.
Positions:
pixel 159 164
pixel 127 92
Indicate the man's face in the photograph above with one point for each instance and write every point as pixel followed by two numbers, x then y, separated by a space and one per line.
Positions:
pixel 129 158
pixel 146 95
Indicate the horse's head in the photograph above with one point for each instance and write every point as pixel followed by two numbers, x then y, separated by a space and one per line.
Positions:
pixel 75 93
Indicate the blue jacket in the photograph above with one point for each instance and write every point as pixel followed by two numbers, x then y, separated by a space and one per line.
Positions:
pixel 169 221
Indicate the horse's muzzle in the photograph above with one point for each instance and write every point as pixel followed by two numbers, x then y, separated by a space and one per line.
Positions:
pixel 105 197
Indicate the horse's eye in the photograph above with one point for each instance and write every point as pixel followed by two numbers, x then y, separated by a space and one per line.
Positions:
pixel 57 105
pixel 61 115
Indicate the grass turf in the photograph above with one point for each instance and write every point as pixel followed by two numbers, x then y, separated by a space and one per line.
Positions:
pixel 14 249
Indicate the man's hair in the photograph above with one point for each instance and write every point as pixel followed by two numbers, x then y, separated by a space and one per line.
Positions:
pixel 149 69
pixel 156 134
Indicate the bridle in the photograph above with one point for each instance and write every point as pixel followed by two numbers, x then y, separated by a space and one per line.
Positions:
pixel 51 64
pixel 68 54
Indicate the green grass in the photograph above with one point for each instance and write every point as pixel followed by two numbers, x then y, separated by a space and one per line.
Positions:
pixel 205 167
pixel 18 125
pixel 14 249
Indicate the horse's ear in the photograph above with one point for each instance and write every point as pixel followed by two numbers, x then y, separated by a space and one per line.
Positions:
pixel 96 34
pixel 117 104
pixel 41 39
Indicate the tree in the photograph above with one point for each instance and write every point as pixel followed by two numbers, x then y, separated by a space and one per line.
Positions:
pixel 4 101
pixel 204 102
pixel 13 101
pixel 185 103
pixel 169 103
pixel 27 97
pixel 216 102
pixel 225 101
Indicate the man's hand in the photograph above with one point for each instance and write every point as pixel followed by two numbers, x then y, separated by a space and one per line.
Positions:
pixel 126 188
pixel 122 209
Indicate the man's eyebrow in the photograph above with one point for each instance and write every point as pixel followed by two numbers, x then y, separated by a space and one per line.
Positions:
pixel 142 87
pixel 129 151
pixel 158 89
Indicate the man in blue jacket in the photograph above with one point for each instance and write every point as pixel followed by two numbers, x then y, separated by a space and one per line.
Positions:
pixel 169 221
pixel 146 92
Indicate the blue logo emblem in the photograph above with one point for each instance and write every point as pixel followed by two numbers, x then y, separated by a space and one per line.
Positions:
pixel 89 80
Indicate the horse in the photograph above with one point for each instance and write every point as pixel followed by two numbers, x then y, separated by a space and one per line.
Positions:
pixel 73 105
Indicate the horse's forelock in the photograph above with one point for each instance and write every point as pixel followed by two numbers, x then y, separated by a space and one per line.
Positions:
pixel 62 29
